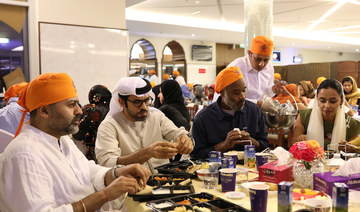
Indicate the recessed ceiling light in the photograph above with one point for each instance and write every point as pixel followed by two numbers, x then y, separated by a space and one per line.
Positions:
pixel 192 35
pixel 357 50
pixel 196 12
pixel 4 40
pixel 197 2
pixel 291 26
pixel 293 44
pixel 328 47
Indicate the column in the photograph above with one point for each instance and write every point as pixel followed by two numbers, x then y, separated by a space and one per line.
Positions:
pixel 258 20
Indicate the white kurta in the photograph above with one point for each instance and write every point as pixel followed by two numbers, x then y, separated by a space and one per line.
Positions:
pixel 39 175
pixel 117 136
pixel 258 83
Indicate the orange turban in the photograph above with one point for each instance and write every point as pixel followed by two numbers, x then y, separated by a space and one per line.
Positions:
pixel 319 80
pixel 262 45
pixel 190 85
pixel 226 77
pixel 165 76
pixel 44 90
pixel 277 75
pixel 14 91
pixel 152 84
pixel 176 73
pixel 152 71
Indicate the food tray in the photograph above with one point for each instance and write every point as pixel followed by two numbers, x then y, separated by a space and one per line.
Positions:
pixel 213 203
pixel 178 167
pixel 173 191
pixel 162 179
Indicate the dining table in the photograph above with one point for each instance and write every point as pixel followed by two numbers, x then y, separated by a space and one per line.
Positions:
pixel 272 203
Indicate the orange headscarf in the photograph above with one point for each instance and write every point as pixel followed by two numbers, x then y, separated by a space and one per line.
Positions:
pixel 165 76
pixel 262 45
pixel 226 77
pixel 44 90
pixel 152 71
pixel 14 91
pixel 293 89
pixel 319 80
pixel 176 73
pixel 277 75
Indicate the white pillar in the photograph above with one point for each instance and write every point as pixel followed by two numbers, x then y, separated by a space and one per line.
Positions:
pixel 258 20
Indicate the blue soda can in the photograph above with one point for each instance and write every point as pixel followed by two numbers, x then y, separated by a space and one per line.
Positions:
pixel 214 156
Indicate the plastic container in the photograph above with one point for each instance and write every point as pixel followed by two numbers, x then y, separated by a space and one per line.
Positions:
pixel 335 162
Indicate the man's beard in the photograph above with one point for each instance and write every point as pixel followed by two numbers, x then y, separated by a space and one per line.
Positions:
pixel 137 118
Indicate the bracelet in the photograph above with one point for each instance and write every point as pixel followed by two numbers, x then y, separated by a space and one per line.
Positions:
pixel 107 198
pixel 83 205
pixel 113 171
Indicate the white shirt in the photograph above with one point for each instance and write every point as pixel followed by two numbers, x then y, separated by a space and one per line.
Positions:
pixel 117 136
pixel 258 83
pixel 39 175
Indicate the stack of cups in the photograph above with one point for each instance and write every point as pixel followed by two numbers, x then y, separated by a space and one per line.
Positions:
pixel 228 179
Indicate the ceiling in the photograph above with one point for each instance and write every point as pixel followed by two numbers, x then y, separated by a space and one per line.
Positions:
pixel 292 19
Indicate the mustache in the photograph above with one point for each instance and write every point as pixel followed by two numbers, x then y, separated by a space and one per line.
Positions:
pixel 76 118
pixel 142 110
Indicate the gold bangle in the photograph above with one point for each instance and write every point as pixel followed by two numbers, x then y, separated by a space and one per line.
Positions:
pixel 83 205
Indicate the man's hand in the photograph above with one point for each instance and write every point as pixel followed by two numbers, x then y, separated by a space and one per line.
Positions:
pixel 184 144
pixel 122 185
pixel 233 137
pixel 268 106
pixel 278 88
pixel 134 170
pixel 301 138
pixel 163 150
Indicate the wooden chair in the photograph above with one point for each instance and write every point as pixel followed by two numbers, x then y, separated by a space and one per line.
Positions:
pixel 277 137
pixel 192 111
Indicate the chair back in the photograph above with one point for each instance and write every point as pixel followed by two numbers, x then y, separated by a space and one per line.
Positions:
pixel 192 111
pixel 5 138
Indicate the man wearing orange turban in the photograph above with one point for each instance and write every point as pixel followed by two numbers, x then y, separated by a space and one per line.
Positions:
pixel 45 168
pixel 11 114
pixel 258 71
pixel 230 121
pixel 152 77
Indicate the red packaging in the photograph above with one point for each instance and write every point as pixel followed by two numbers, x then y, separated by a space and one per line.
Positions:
pixel 273 173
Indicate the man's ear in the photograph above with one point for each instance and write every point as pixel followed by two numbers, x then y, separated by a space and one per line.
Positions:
pixel 121 102
pixel 43 111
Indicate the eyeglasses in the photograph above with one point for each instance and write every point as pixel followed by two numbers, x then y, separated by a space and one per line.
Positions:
pixel 138 103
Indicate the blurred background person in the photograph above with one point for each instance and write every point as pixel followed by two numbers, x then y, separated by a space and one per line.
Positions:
pixel 306 91
pixel 156 91
pixel 211 93
pixel 173 105
pixel 153 77
pixel 93 114
pixel 293 90
pixel 352 95
pixel 277 78
pixel 11 114
pixel 199 94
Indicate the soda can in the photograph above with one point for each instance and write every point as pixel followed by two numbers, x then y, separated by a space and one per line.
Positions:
pixel 214 156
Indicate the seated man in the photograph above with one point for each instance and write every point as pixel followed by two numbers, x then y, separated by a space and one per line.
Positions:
pixel 133 132
pixel 213 127
pixel 43 170
pixel 10 115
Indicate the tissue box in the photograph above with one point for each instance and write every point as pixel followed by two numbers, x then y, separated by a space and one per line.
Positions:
pixel 353 182
pixel 273 173
pixel 325 181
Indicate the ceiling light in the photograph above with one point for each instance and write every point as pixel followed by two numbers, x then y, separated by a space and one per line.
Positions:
pixel 18 49
pixel 342 28
pixel 4 40
pixel 192 35
pixel 328 47
pixel 327 14
pixel 293 44
pixel 357 50
pixel 351 32
pixel 291 26
pixel 91 45
pixel 197 2
pixel 196 12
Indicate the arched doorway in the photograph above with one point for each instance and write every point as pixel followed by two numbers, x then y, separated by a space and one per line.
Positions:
pixel 173 58
pixel 142 58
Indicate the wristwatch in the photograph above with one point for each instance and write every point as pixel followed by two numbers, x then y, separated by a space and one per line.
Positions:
pixel 114 170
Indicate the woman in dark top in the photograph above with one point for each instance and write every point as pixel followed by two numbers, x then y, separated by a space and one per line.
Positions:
pixel 93 114
pixel 172 104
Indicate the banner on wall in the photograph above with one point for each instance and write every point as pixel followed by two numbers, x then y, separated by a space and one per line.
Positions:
pixel 202 70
